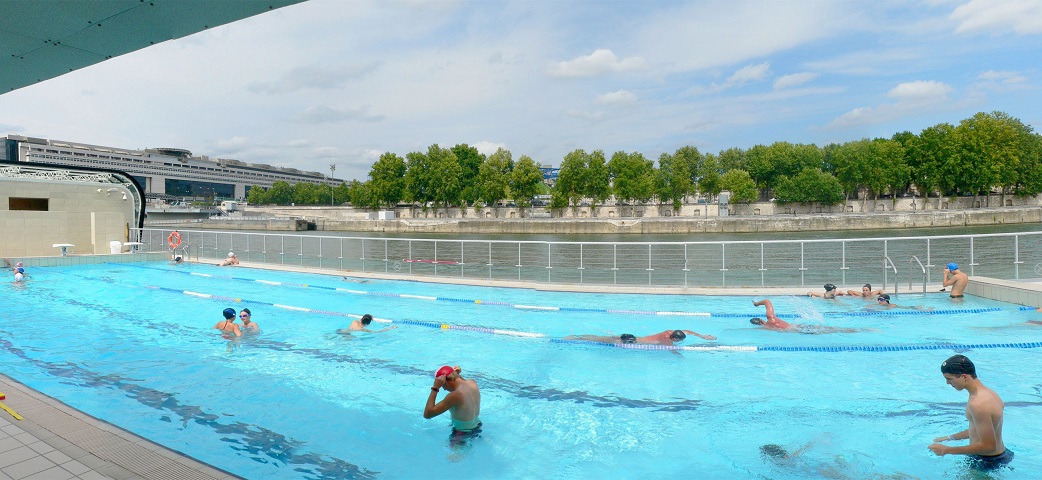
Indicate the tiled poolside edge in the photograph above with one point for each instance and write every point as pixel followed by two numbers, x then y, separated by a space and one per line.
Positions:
pixel 1023 292
pixel 56 441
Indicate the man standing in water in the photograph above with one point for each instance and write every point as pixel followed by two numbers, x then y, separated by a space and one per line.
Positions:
pixel 984 412
pixel 463 401
pixel 953 277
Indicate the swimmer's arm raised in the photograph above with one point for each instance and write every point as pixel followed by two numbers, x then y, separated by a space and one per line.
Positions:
pixel 451 400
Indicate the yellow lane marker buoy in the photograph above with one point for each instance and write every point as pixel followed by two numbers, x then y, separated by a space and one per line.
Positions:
pixel 8 409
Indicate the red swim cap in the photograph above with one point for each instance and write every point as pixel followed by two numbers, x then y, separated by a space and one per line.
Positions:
pixel 444 371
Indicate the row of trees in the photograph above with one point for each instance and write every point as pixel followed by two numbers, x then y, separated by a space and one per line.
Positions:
pixel 984 153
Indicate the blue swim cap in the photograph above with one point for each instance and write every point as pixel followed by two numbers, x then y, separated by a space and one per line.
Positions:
pixel 20 270
pixel 953 266
pixel 229 313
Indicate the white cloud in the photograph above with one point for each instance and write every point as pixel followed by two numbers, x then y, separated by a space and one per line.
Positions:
pixel 599 62
pixel 921 89
pixel 1002 77
pixel 618 98
pixel 1023 17
pixel 793 80
pixel 911 98
pixel 488 148
pixel 749 73
pixel 314 76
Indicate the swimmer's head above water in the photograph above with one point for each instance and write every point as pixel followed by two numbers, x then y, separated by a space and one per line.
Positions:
pixel 628 338
pixel 229 313
pixel 677 336
pixel 756 321
pixel 829 287
pixel 883 298
pixel 367 319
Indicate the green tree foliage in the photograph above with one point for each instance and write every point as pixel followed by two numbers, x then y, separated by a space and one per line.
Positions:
pixel 810 186
pixel 257 196
pixel 445 186
pixel 387 184
pixel 994 149
pixel 731 159
pixel 280 193
pixel 672 180
pixel 597 181
pixel 632 177
pixel 470 160
pixel 494 177
pixel 931 160
pixel 418 178
pixel 709 176
pixel 525 181
pixel 568 189
pixel 740 184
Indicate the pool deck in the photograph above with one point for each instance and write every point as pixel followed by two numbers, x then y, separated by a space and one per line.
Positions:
pixel 58 442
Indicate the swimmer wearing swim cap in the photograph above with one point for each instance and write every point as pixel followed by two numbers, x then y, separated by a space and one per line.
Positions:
pixel 362 325
pixel 228 327
pixel 231 260
pixel 984 410
pixel 667 337
pixel 830 292
pixel 955 278
pixel 463 401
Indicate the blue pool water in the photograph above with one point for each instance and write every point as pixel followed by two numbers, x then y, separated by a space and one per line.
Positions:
pixel 127 344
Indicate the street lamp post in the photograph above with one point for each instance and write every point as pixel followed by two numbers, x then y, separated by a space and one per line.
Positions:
pixel 332 168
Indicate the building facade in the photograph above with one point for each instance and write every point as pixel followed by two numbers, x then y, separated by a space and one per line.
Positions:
pixel 161 172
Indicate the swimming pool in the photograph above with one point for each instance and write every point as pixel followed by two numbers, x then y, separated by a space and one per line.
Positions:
pixel 126 343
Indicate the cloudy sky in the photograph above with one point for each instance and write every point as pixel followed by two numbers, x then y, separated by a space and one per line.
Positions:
pixel 330 81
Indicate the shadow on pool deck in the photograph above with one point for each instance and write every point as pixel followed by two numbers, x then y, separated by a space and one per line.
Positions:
pixel 57 442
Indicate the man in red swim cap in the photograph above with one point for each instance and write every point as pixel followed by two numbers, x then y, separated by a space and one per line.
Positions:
pixel 463 401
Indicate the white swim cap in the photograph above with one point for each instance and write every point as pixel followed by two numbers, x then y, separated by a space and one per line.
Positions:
pixel 231 254
pixel 18 277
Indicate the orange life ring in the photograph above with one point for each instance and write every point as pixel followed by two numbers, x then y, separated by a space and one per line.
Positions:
pixel 174 240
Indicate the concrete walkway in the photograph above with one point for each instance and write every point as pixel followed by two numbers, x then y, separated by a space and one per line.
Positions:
pixel 58 442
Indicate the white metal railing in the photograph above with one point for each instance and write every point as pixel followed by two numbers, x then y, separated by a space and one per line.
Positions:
pixel 911 262
pixel 675 264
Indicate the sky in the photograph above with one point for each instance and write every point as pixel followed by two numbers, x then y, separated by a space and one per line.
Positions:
pixel 341 82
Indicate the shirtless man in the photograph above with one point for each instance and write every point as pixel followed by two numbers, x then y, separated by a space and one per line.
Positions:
pixel 777 324
pixel 362 325
pixel 666 337
pixel 984 412
pixel 249 327
pixel 866 292
pixel 228 327
pixel 463 401
pixel 231 260
pixel 953 277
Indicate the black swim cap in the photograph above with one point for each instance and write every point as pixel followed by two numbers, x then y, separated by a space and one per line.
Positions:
pixel 628 338
pixel 773 451
pixel 959 365
pixel 885 297
pixel 677 335
pixel 756 321
pixel 229 313
pixel 829 287
pixel 367 319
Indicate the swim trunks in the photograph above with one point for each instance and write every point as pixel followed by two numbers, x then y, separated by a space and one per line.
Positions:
pixel 986 463
pixel 955 296
pixel 466 427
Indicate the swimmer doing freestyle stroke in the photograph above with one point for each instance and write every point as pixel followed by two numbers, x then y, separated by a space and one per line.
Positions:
pixel 774 323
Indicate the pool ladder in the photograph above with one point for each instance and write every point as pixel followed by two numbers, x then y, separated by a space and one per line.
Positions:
pixel 888 265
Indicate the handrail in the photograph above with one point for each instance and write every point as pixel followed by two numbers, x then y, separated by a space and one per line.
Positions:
pixel 886 260
pixel 921 267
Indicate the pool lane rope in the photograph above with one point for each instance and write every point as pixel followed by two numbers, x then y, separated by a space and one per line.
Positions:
pixel 546 308
pixel 633 346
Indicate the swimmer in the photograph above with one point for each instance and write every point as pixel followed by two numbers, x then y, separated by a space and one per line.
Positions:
pixel 362 325
pixel 866 292
pixel 228 327
pixel 19 274
pixel 231 260
pixel 666 337
pixel 953 277
pixel 249 327
pixel 883 301
pixel 777 324
pixel 178 260
pixel 463 402
pixel 984 412
pixel 830 292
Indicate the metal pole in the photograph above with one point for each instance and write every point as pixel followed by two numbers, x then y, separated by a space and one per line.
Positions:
pixel 332 168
